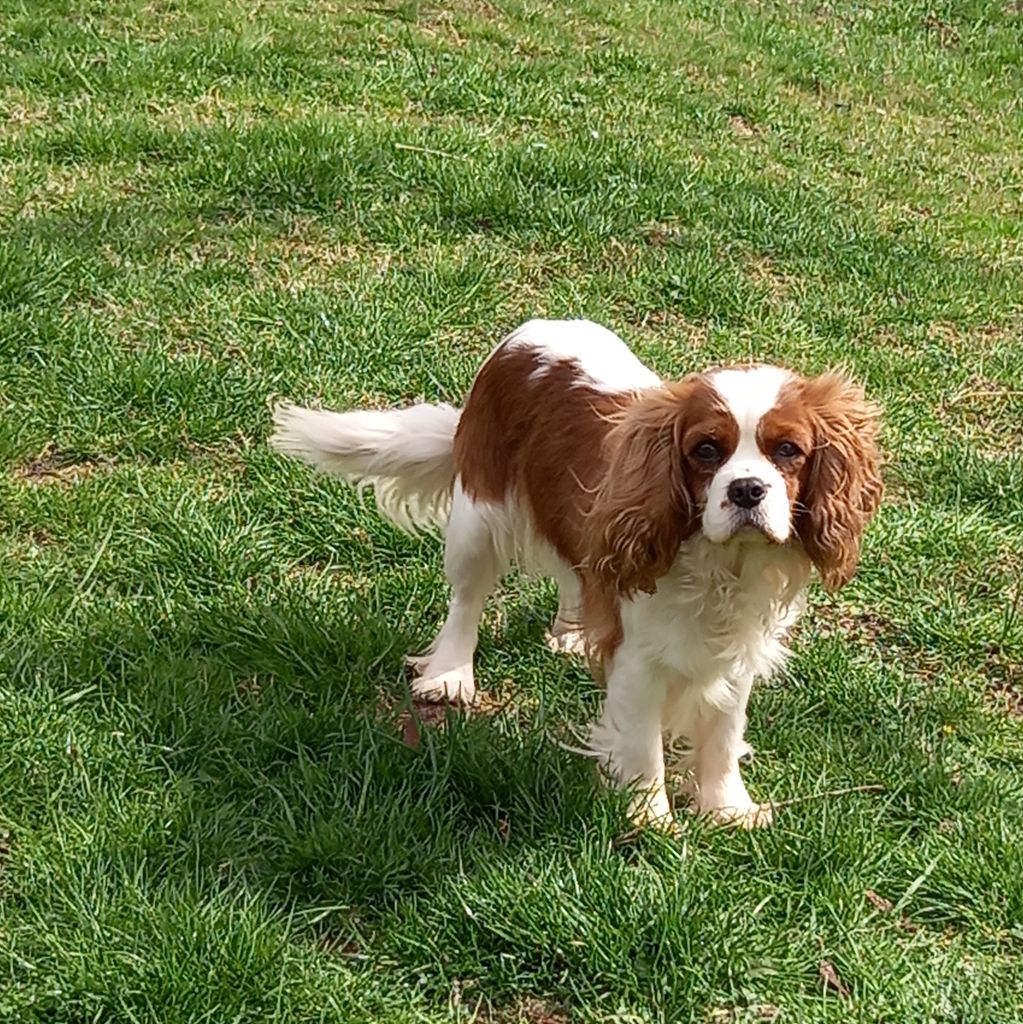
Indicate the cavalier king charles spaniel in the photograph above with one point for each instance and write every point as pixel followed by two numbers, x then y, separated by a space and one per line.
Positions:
pixel 680 519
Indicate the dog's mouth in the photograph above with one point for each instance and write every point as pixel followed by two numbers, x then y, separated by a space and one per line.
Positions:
pixel 751 523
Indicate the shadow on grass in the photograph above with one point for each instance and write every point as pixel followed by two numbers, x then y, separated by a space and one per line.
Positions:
pixel 274 739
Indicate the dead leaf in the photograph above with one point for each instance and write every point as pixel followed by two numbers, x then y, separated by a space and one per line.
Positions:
pixel 421 713
pixel 907 925
pixel 410 732
pixel 886 907
pixel 828 975
pixel 741 126
pixel 879 902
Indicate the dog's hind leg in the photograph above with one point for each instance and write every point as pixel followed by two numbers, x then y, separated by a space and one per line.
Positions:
pixel 566 634
pixel 473 563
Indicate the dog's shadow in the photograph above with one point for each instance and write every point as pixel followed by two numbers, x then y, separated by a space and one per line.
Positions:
pixel 280 744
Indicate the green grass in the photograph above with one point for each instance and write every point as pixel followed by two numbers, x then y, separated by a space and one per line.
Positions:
pixel 207 810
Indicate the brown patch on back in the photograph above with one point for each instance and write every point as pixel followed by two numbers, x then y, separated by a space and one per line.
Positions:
pixel 610 481
pixel 540 438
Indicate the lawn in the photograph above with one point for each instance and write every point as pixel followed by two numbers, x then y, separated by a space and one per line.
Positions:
pixel 209 808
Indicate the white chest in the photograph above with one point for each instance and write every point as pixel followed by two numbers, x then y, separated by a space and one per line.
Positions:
pixel 721 613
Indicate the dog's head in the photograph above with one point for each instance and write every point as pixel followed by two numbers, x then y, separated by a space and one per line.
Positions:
pixel 756 454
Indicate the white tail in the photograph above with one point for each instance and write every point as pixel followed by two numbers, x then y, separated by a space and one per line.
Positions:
pixel 405 455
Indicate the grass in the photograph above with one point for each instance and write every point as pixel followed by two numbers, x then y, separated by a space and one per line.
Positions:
pixel 207 811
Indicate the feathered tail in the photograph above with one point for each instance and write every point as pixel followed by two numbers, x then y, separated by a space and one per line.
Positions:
pixel 405 455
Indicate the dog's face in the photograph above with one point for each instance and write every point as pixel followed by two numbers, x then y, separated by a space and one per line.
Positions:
pixel 755 454
pixel 743 458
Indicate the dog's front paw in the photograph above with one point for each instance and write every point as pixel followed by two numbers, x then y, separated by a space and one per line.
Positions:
pixel 456 687
pixel 749 817
pixel 650 808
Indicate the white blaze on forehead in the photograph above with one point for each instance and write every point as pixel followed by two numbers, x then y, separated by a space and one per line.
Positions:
pixel 750 394
pixel 604 361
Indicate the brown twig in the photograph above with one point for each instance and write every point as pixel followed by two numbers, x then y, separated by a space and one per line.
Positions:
pixel 429 152
pixel 871 788
pixel 985 393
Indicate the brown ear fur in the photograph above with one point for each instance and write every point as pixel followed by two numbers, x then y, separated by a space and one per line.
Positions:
pixel 643 509
pixel 843 489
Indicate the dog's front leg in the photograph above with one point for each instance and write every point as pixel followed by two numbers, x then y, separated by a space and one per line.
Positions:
pixel 718 745
pixel 628 736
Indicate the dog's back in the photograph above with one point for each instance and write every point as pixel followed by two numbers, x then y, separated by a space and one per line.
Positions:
pixel 533 428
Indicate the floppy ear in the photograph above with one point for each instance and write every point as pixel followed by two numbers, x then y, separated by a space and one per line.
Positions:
pixel 843 489
pixel 643 509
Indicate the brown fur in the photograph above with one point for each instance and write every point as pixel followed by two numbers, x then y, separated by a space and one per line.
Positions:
pixel 651 499
pixel 540 439
pixel 652 495
pixel 839 482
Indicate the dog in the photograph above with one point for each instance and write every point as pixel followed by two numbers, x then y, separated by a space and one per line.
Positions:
pixel 681 521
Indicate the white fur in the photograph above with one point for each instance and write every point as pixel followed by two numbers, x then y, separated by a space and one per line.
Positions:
pixel 749 394
pixel 605 361
pixel 405 455
pixel 482 541
pixel 473 563
pixel 686 666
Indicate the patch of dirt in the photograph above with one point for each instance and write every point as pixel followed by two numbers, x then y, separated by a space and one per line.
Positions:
pixel 672 328
pixel 51 466
pixel 987 414
pixel 444 21
pixel 229 452
pixel 864 627
pixel 758 1013
pixel 1006 695
pixel 986 337
pixel 885 906
pixel 1007 698
pixel 660 236
pixel 530 1010
pixel 344 947
pixel 5 853
pixel 742 126
pixel 763 271
pixel 979 387
pixel 24 115
pixel 945 32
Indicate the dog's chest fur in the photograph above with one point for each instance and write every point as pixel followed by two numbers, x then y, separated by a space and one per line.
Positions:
pixel 721 614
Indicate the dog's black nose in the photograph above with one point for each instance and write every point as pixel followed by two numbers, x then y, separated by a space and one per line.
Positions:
pixel 747 492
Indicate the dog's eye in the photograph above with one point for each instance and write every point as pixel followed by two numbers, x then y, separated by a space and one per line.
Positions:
pixel 707 451
pixel 786 450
